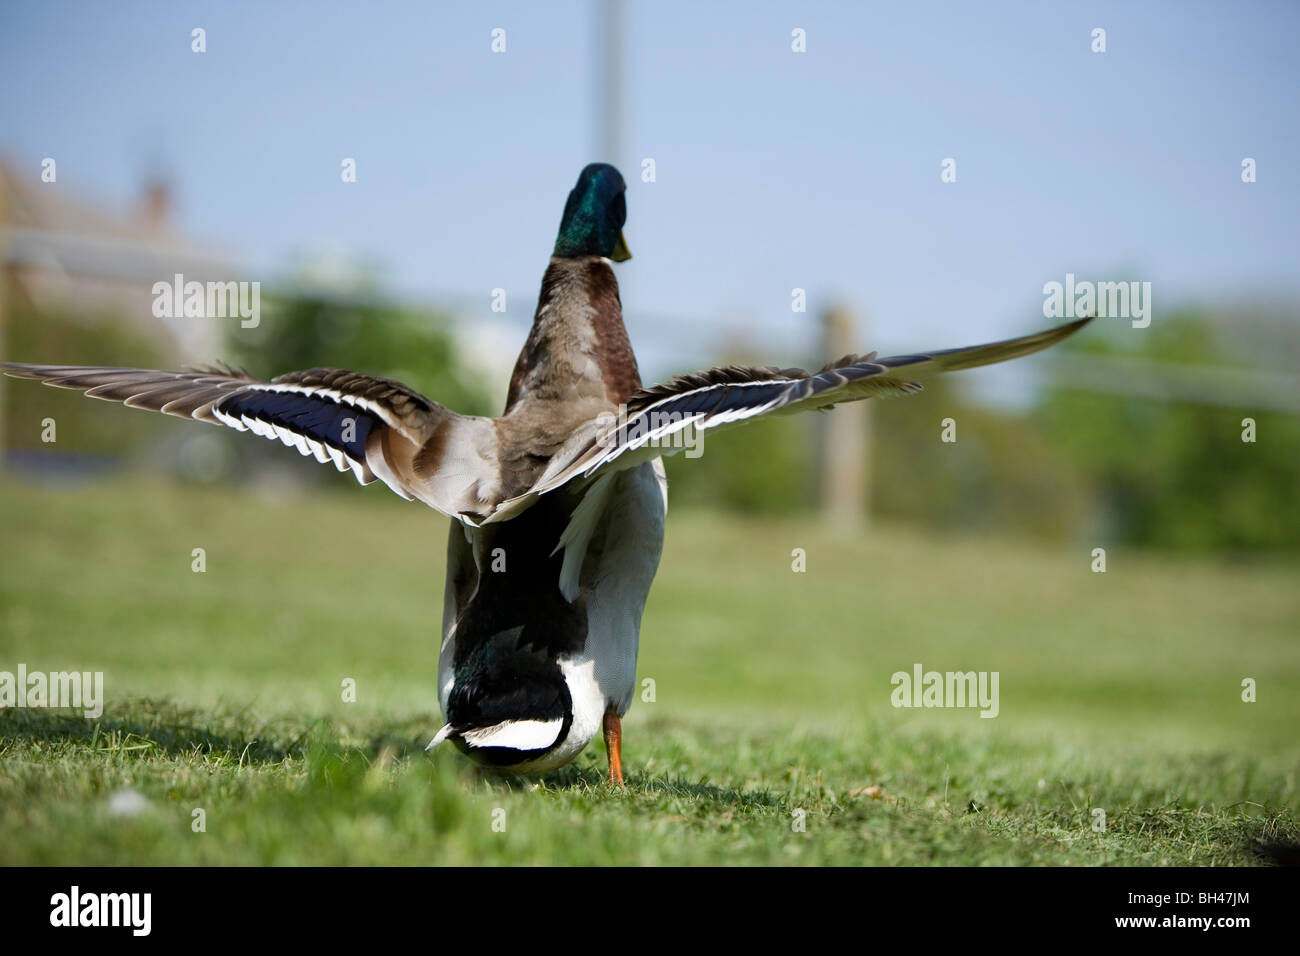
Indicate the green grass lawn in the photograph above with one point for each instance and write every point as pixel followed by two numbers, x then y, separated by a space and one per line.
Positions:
pixel 1119 692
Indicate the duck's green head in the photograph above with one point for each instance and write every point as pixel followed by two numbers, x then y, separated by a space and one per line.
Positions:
pixel 594 216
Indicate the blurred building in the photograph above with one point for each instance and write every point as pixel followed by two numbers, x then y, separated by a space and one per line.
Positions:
pixel 62 251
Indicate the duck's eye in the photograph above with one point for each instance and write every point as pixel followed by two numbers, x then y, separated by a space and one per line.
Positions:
pixel 619 208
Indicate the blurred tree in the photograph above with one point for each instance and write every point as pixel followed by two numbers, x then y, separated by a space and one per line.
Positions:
pixel 1000 476
pixel 760 468
pixel 70 337
pixel 364 335
pixel 1175 474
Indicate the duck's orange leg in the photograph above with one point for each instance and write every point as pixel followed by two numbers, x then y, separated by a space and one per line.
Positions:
pixel 614 747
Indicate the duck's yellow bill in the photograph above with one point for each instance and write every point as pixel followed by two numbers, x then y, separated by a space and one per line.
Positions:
pixel 621 251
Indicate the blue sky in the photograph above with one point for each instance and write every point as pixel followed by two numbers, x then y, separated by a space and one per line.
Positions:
pixel 774 169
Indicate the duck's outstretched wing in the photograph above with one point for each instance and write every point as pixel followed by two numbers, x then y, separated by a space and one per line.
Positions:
pixel 732 395
pixel 374 427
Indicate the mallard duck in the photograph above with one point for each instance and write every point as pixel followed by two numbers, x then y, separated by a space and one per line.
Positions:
pixel 557 506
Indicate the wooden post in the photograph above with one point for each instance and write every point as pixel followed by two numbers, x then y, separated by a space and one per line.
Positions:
pixel 4 304
pixel 843 465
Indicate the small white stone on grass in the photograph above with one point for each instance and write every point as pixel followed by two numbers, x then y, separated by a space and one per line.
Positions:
pixel 127 803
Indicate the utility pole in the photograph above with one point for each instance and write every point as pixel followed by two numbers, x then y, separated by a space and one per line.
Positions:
pixel 843 454
pixel 609 79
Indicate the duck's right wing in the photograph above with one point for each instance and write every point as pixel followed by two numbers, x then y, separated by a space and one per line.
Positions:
pixel 374 427
pixel 657 417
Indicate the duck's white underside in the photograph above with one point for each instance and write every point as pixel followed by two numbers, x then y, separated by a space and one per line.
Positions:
pixel 619 558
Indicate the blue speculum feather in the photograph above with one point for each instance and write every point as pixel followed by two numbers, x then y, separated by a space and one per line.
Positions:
pixel 322 420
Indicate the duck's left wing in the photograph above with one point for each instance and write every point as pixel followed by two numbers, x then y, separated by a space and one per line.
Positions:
pixel 733 395
pixel 374 427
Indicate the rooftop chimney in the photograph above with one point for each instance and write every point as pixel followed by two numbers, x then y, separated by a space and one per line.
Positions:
pixel 157 203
